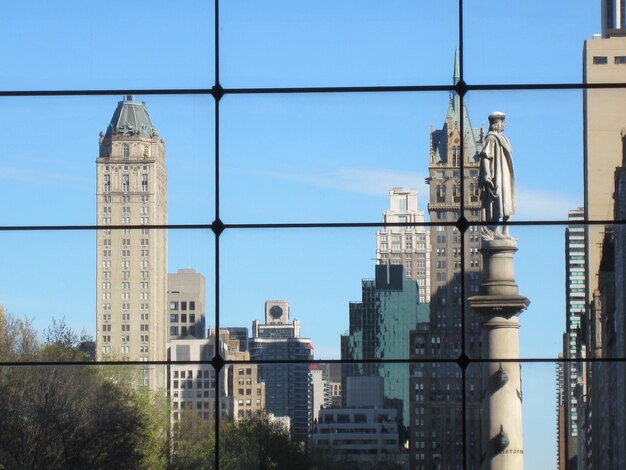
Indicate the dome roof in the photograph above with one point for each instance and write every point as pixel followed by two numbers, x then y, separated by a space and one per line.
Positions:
pixel 131 118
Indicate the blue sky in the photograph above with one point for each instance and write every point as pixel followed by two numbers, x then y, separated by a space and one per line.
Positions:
pixel 286 158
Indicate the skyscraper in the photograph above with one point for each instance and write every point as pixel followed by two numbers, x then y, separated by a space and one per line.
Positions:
pixel 573 348
pixel 131 271
pixel 286 385
pixel 409 246
pixel 604 117
pixel 436 413
pixel 379 328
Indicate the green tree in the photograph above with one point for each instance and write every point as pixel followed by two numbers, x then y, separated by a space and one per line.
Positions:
pixel 68 416
pixel 193 443
pixel 260 443
pixel 18 338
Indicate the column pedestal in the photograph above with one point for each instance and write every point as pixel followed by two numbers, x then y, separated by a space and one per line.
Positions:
pixel 499 304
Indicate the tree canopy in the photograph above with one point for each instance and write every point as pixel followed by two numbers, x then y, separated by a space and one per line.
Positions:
pixel 73 416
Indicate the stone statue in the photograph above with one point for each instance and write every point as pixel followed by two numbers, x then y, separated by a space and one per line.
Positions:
pixel 496 180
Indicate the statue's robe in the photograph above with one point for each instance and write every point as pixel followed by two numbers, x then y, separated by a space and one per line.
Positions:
pixel 496 165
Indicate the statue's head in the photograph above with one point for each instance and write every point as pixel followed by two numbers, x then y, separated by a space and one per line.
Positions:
pixel 497 121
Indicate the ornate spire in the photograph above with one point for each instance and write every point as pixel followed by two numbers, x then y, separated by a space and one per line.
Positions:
pixel 456 77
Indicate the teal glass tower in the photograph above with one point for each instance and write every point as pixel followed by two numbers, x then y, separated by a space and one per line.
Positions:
pixel 380 326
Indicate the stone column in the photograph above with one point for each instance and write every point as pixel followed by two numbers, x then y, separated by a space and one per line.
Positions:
pixel 499 304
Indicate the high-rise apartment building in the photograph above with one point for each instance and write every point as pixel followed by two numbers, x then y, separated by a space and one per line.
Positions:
pixel 604 117
pixel 131 187
pixel 379 328
pixel 600 433
pixel 436 408
pixel 561 428
pixel 603 418
pixel 186 299
pixel 619 320
pixel 286 385
pixel 320 391
pixel 573 346
pixel 408 246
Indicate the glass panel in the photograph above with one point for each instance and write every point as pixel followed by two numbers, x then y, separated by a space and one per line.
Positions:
pixel 330 158
pixel 71 45
pixel 110 286
pixel 54 181
pixel 332 291
pixel 280 43
pixel 549 53
pixel 547 149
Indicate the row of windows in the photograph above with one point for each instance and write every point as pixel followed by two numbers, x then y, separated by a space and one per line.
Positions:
pixel 126 183
pixel 183 305
pixel 404 234
pixel 126 306
pixel 126 264
pixel 189 374
pixel 440 192
pixel 126 296
pixel 602 59
pixel 184 331
pixel 107 198
pixel 145 152
pixel 248 391
pixel 124 327
pixel 125 338
pixel 454 215
pixel 126 220
pixel 125 253
pixel 189 384
pixel 126 241
pixel 398 246
pixel 174 317
pixel 126 275
pixel 125 209
pixel 125 231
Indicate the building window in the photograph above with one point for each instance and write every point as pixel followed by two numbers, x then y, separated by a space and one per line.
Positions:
pixel 441 192
pixel 125 150
pixel 456 156
pixel 474 192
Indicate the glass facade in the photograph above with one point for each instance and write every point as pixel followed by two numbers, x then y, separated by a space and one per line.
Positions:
pixel 277 133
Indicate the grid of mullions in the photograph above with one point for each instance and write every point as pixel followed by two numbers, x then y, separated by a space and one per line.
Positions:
pixel 219 227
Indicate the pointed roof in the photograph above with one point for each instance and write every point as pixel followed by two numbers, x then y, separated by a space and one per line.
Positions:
pixel 453 117
pixel 131 118
pixel 456 76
